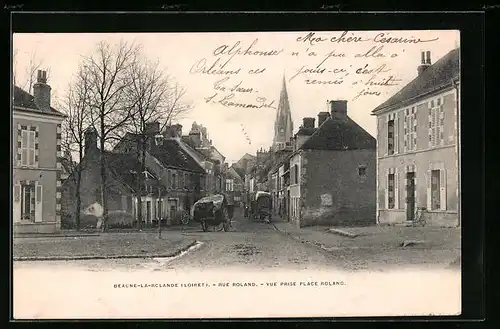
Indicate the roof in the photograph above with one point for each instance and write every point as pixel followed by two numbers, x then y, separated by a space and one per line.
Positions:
pixel 171 154
pixel 434 78
pixel 305 131
pixel 26 101
pixel 336 134
pixel 239 171
pixel 125 166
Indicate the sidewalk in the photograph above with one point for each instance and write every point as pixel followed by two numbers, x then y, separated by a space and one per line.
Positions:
pixel 102 246
pixel 387 245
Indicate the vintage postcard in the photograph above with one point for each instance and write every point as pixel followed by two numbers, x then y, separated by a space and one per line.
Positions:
pixel 236 175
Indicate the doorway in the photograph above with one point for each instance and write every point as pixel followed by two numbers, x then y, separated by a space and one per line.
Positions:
pixel 410 196
pixel 148 212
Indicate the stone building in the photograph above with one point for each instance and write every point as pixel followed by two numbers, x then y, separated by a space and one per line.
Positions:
pixel 36 160
pixel 418 147
pixel 175 165
pixel 332 171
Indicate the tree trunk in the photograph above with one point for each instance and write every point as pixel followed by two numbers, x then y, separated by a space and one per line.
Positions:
pixel 143 162
pixel 78 199
pixel 138 192
pixel 104 195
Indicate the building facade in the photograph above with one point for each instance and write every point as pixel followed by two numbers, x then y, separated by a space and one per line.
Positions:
pixel 332 172
pixel 418 175
pixel 36 159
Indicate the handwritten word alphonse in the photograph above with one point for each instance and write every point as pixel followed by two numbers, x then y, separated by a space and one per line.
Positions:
pixel 226 100
pixel 236 49
pixel 384 38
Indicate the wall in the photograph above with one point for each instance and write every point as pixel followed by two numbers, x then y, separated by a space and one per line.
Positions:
pixel 45 173
pixel 421 162
pixel 295 197
pixel 333 193
pixel 422 157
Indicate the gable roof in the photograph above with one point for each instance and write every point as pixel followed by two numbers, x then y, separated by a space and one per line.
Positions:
pixel 434 78
pixel 125 166
pixel 171 154
pixel 239 171
pixel 24 101
pixel 335 134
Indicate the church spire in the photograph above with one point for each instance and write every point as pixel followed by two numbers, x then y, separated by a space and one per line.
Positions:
pixel 283 126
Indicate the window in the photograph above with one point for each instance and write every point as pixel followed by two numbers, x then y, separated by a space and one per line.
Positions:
pixel 390 137
pixel 124 203
pixel 229 185
pixel 391 191
pixel 410 130
pixel 362 171
pixel 435 189
pixel 27 147
pixel 174 181
pixel 296 174
pixel 28 202
pixel 181 180
pixel 436 122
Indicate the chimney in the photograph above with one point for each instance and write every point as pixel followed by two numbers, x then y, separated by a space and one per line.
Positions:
pixel 308 122
pixel 152 128
pixel 322 116
pixel 90 140
pixel 425 62
pixel 177 130
pixel 338 109
pixel 41 91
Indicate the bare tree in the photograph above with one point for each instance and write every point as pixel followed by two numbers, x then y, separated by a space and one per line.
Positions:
pixel 107 71
pixel 175 106
pixel 78 120
pixel 28 79
pixel 155 100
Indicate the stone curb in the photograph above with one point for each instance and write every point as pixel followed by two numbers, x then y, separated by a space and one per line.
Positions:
pixel 53 236
pixel 172 254
pixel 342 233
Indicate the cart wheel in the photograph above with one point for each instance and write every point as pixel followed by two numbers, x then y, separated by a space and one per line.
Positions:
pixel 204 226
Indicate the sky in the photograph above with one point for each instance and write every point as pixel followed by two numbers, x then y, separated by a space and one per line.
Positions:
pixel 363 67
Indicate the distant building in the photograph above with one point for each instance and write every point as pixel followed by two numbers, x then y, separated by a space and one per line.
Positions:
pixel 332 172
pixel 176 165
pixel 234 186
pixel 36 150
pixel 418 147
pixel 199 140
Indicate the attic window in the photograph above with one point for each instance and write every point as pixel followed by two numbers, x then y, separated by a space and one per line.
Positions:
pixel 362 171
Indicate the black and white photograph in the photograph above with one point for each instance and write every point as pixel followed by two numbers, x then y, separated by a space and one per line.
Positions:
pixel 236 174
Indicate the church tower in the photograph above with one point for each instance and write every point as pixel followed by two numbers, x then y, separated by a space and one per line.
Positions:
pixel 283 126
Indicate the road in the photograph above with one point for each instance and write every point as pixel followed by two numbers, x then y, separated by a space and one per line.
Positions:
pixel 253 245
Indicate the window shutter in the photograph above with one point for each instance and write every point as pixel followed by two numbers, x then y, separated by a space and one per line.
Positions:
pixel 405 133
pixel 396 134
pixel 442 188
pixel 386 189
pixel 396 189
pixel 429 196
pixel 385 137
pixel 16 206
pixel 38 203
